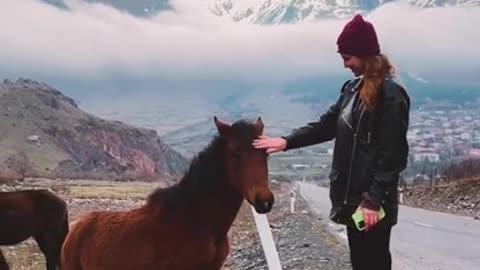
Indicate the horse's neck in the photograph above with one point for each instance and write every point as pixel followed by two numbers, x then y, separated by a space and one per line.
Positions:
pixel 215 205
pixel 219 211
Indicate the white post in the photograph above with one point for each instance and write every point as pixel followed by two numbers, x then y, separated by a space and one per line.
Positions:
pixel 292 201
pixel 268 245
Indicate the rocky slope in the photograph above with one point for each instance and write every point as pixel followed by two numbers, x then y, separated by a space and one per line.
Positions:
pixel 45 133
pixel 458 197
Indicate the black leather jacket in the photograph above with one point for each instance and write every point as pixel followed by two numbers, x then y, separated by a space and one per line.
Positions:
pixel 371 149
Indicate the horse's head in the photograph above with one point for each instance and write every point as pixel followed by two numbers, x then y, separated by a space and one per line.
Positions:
pixel 246 167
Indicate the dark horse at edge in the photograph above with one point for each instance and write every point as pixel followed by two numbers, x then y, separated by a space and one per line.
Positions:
pixel 37 213
pixel 185 226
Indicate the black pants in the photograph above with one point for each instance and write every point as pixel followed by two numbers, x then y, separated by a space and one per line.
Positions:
pixel 370 250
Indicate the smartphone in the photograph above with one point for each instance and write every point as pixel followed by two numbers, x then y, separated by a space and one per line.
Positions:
pixel 358 218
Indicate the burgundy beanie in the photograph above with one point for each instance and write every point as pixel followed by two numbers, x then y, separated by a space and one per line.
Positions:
pixel 358 38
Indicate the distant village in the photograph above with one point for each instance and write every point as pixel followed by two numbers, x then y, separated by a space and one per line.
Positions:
pixel 442 133
pixel 439 133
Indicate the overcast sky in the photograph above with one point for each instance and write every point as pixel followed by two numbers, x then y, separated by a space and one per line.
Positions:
pixel 96 42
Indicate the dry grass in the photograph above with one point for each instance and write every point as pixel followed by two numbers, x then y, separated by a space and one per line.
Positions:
pixel 117 191
pixel 25 256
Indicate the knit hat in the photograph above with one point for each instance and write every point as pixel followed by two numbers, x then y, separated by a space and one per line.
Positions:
pixel 358 38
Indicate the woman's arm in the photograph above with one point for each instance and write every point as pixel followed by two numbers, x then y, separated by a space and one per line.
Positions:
pixel 324 129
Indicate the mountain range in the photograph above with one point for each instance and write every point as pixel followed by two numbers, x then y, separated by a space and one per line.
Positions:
pixel 292 11
pixel 272 11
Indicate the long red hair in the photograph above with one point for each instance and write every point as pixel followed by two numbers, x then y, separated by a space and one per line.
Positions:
pixel 376 69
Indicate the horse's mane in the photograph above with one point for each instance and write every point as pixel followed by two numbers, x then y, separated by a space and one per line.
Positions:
pixel 206 171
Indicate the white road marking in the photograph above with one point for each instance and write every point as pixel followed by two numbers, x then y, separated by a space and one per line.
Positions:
pixel 423 224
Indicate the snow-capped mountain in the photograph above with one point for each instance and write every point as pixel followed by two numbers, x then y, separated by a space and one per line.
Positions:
pixel 289 11
pixel 271 11
pixel 292 11
pixel 143 8
pixel 444 3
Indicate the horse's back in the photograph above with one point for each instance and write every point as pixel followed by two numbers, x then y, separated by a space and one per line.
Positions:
pixel 96 235
pixel 18 217
pixel 41 205
pixel 33 197
pixel 144 238
pixel 52 205
pixel 30 212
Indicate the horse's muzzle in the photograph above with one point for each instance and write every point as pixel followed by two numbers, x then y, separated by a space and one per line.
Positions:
pixel 263 206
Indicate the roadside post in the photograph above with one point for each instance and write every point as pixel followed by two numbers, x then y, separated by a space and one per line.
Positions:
pixel 266 238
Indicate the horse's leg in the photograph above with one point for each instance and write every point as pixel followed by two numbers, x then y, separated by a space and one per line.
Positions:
pixel 62 235
pixel 51 242
pixel 3 262
pixel 50 247
pixel 222 253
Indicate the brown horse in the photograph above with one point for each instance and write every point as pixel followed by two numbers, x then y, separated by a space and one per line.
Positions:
pixel 37 213
pixel 185 226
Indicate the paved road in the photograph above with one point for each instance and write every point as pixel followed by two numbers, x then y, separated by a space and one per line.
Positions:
pixel 422 240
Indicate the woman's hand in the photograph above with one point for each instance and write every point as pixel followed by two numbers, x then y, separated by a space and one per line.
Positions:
pixel 370 218
pixel 271 144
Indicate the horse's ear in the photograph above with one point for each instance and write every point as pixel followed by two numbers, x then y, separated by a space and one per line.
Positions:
pixel 222 127
pixel 259 125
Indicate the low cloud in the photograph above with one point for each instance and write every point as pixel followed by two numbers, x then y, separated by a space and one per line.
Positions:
pixel 96 42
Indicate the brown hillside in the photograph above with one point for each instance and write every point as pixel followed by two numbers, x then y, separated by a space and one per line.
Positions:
pixel 457 197
pixel 44 133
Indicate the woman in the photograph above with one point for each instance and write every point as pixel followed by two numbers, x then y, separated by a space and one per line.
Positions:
pixel 369 123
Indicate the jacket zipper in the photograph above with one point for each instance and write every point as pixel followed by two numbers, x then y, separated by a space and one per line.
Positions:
pixel 355 132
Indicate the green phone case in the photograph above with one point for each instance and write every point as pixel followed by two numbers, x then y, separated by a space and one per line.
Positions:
pixel 358 218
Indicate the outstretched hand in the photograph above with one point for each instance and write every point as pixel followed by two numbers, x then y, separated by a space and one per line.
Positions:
pixel 271 145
